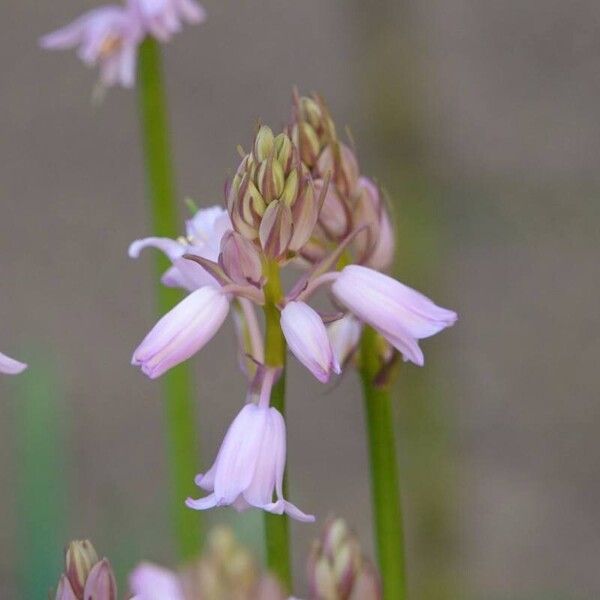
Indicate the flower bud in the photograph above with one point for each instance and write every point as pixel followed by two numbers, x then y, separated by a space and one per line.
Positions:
pixel 271 179
pixel 65 590
pixel 240 259
pixel 285 151
pixel 307 142
pixel 339 160
pixel 80 557
pixel 100 584
pixel 263 143
pixel 336 568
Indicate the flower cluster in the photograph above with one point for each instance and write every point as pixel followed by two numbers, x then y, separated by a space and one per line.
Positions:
pixel 296 198
pixel 109 36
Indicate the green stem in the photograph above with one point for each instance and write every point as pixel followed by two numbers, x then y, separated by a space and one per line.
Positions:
pixel 384 472
pixel 177 383
pixel 277 530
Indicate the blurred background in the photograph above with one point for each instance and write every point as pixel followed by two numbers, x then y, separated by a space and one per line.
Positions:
pixel 481 120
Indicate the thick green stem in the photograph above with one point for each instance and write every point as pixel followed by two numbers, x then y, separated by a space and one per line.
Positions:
pixel 277 530
pixel 177 383
pixel 384 472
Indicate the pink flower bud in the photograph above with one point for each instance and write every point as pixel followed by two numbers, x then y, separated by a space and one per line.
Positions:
pixel 334 217
pixel 307 338
pixel 276 229
pixel 344 335
pixel 80 558
pixel 101 584
pixel 65 591
pixel 182 331
pixel 402 315
pixel 240 259
pixel 10 366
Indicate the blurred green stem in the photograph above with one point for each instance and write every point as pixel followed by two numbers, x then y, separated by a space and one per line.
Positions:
pixel 277 531
pixel 177 383
pixel 385 491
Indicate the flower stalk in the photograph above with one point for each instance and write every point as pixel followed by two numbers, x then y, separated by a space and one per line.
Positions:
pixel 385 490
pixel 277 529
pixel 179 405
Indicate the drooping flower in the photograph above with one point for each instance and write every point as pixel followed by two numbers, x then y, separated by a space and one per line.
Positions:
pixel 402 315
pixel 250 464
pixel 107 37
pixel 182 332
pixel 10 366
pixel 307 338
pixel 163 18
pixel 204 232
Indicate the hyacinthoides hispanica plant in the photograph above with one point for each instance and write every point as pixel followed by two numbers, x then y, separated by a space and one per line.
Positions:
pixel 296 198
pixel 122 40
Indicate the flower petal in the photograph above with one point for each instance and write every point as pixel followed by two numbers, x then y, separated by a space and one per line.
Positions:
pixel 10 366
pixel 307 338
pixel 151 582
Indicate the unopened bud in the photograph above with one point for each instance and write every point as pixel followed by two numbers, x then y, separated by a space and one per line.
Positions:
pixel 290 190
pixel 307 142
pixel 276 229
pixel 65 591
pixel 339 160
pixel 271 179
pixel 310 111
pixel 285 151
pixel 240 259
pixel 263 143
pixel 101 584
pixel 80 557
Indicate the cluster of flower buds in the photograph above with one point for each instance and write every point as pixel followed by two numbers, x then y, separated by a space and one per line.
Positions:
pixel 351 201
pixel 109 36
pixel 226 570
pixel 272 199
pixel 337 569
pixel 86 577
pixel 10 366
pixel 275 212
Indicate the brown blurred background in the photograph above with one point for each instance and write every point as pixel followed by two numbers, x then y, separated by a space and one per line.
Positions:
pixel 481 120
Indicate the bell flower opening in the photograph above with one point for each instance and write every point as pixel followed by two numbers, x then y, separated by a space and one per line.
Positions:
pixel 163 18
pixel 402 315
pixel 182 332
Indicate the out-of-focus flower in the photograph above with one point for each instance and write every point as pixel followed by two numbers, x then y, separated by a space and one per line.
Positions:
pixel 337 569
pixel 10 366
pixel 163 18
pixel 204 232
pixel 86 577
pixel 182 331
pixel 402 315
pixel 250 464
pixel 107 37
pixel 307 338
pixel 226 571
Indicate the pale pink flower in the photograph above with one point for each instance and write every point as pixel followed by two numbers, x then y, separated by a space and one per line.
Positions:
pixel 402 315
pixel 107 37
pixel 163 18
pixel 204 232
pixel 307 338
pixel 151 582
pixel 10 366
pixel 183 331
pixel 344 335
pixel 250 464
